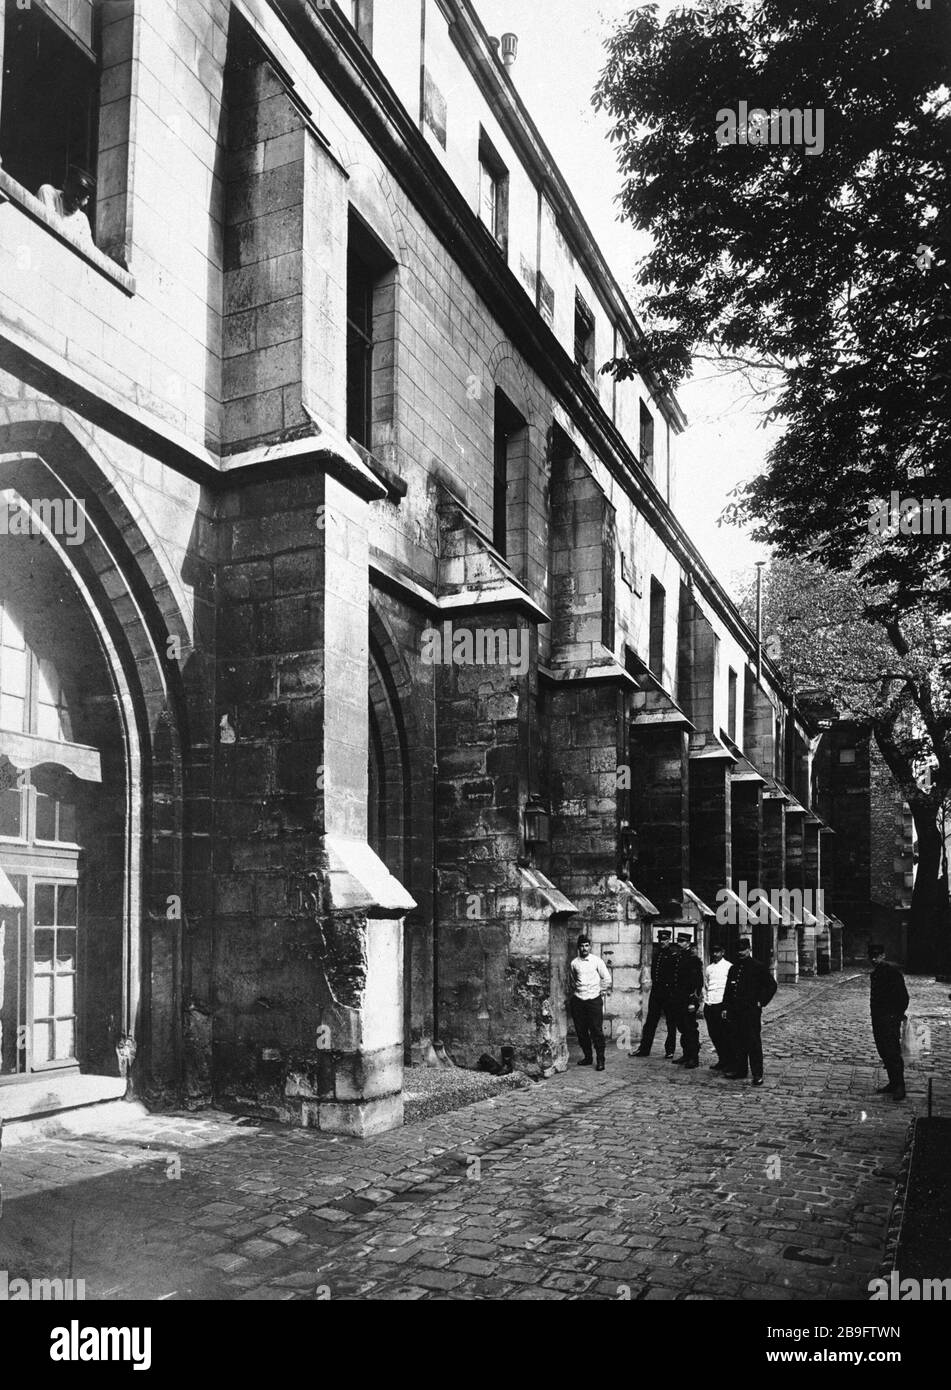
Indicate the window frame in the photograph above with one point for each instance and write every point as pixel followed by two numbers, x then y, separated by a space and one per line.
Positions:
pixel 366 252
pixel 493 170
pixel 109 213
pixel 27 872
pixel 645 443
pixel 657 628
pixel 584 342
pixel 507 422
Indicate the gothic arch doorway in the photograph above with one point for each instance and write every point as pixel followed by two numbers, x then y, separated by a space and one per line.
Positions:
pixel 63 808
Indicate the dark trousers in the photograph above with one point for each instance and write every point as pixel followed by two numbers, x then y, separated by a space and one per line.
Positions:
pixel 657 1005
pixel 718 1030
pixel 746 1040
pixel 689 1030
pixel 886 1029
pixel 588 1018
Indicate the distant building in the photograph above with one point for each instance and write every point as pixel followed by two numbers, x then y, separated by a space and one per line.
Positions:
pixel 870 865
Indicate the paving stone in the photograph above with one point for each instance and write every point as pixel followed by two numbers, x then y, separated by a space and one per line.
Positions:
pixel 616 1187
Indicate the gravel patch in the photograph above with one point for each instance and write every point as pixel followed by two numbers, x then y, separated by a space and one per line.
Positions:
pixel 429 1091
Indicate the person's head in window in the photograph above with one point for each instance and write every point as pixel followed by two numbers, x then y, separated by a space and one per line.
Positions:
pixel 77 190
pixel 67 205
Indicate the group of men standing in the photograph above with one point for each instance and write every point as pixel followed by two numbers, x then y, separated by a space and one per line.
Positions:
pixel 732 995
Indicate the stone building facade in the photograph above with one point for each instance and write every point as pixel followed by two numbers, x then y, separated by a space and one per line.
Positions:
pixel 871 867
pixel 377 662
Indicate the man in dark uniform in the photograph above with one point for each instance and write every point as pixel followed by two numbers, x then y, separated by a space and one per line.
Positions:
pixel 749 988
pixel 657 999
pixel 686 993
pixel 889 1000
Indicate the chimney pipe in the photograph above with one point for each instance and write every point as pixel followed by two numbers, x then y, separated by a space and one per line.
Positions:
pixel 509 49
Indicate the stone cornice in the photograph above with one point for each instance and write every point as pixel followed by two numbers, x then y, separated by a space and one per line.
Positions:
pixel 344 66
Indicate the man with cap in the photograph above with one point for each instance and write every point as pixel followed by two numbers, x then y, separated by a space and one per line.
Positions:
pixel 749 988
pixel 657 1001
pixel 715 977
pixel 686 992
pixel 889 1000
pixel 68 204
pixel 589 977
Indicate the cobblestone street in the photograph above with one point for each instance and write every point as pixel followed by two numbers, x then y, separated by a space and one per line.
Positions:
pixel 642 1182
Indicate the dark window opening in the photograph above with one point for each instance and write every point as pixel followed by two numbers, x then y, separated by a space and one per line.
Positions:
pixel 367 263
pixel 493 190
pixel 731 704
pixel 657 620
pixel 508 422
pixel 647 440
pixel 584 336
pixel 361 17
pixel 49 115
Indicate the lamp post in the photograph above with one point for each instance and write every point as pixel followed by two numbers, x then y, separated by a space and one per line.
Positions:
pixel 759 619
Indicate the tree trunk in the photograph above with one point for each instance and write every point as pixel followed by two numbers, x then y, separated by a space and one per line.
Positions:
pixel 929 928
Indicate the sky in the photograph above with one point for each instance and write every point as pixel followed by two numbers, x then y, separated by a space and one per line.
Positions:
pixel 560 56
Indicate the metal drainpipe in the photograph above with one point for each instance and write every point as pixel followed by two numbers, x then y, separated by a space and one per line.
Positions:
pixel 759 620
pixel 435 894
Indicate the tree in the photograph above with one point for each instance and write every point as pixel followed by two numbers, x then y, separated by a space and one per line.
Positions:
pixel 830 648
pixel 824 263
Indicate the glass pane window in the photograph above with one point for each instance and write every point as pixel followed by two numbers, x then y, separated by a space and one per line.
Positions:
pixel 66 900
pixel 13 1050
pixel 32 699
pixel 42 1043
pixel 44 907
pixel 11 628
pixel 45 817
pixel 51 714
pixel 11 813
pixel 54 973
pixel 13 672
pixel 12 713
pixel 66 832
pixel 489 200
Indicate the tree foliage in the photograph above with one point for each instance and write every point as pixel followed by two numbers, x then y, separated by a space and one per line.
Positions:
pixel 831 271
pixel 830 267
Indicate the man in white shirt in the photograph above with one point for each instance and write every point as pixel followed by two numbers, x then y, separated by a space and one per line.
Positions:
pixel 67 204
pixel 714 985
pixel 589 977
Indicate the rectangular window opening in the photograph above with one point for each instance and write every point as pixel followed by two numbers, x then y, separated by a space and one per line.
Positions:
pixel 658 617
pixel 50 101
pixel 367 265
pixel 731 704
pixel 647 440
pixel 493 190
pixel 508 423
pixel 361 17
pixel 584 336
